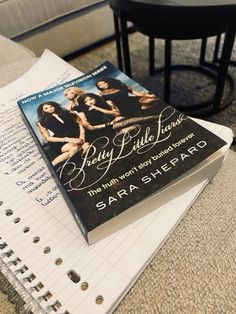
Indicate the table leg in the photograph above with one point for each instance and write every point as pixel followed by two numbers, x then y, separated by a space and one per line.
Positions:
pixel 118 42
pixel 125 43
pixel 216 50
pixel 223 66
pixel 151 55
pixel 167 73
pixel 203 51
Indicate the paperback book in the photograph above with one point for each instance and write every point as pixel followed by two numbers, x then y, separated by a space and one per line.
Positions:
pixel 116 150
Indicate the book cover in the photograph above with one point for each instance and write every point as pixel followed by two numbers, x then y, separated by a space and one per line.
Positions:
pixel 112 144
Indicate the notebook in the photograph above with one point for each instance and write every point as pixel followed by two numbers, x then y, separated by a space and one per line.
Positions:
pixel 43 253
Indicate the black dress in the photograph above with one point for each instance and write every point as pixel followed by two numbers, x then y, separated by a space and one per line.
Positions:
pixel 95 117
pixel 128 105
pixel 69 128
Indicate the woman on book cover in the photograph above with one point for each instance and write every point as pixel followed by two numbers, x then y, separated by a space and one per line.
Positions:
pixel 119 93
pixel 97 115
pixel 72 94
pixel 61 129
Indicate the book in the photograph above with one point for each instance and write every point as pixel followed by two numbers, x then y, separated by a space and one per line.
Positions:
pixel 41 245
pixel 118 152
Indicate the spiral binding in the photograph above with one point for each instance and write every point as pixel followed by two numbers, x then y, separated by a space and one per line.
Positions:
pixel 14 287
pixel 11 285
pixel 31 305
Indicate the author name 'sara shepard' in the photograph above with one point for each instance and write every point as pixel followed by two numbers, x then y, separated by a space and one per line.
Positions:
pixel 153 175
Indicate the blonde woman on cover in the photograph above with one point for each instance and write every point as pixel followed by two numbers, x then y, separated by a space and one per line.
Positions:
pixel 72 94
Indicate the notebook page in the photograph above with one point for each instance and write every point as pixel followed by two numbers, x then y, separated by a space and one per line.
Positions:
pixel 99 271
pixel 20 159
pixel 108 267
pixel 22 163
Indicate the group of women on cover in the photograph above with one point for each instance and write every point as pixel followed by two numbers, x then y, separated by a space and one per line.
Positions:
pixel 88 115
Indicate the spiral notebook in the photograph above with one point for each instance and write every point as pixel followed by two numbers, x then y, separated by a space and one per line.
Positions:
pixel 43 253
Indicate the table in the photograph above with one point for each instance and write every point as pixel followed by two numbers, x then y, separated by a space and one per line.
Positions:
pixel 178 20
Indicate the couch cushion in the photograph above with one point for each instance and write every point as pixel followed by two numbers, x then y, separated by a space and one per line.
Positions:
pixel 17 17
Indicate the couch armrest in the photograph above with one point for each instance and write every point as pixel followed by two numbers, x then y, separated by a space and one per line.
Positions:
pixel 11 52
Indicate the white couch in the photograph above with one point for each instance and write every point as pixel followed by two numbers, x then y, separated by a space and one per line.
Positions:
pixel 63 26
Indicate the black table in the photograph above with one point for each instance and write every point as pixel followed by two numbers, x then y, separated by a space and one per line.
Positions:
pixel 173 20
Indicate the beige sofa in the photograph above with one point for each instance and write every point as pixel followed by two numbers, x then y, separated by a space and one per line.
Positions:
pixel 15 60
pixel 63 26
